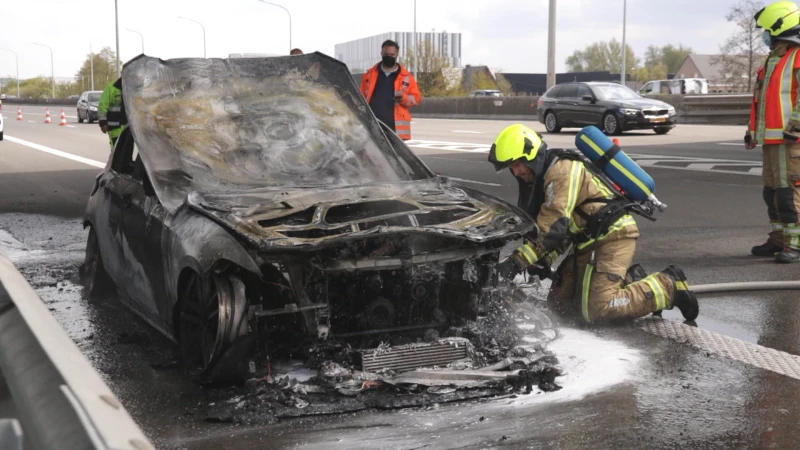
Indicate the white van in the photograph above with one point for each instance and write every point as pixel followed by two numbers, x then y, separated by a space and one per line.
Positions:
pixel 678 86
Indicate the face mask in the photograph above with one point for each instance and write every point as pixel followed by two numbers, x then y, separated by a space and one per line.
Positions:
pixel 767 39
pixel 389 61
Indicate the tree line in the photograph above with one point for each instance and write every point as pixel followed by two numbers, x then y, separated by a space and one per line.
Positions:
pixel 739 58
pixel 42 86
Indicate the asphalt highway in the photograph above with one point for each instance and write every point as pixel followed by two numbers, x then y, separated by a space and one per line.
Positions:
pixel 671 396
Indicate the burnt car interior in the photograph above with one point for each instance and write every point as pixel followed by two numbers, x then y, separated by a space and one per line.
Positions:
pixel 247 238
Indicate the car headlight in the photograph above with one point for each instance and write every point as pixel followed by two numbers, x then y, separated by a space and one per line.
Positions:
pixel 671 110
pixel 92 108
pixel 628 111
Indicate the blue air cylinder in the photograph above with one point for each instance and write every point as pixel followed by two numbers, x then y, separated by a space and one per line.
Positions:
pixel 618 167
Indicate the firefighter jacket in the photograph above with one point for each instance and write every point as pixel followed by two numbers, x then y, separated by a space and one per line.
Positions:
pixel 774 109
pixel 564 197
pixel 111 110
pixel 405 87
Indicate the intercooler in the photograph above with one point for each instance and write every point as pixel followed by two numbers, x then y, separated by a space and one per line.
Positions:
pixel 414 356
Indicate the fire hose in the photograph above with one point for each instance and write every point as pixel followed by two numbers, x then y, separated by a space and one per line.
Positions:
pixel 745 286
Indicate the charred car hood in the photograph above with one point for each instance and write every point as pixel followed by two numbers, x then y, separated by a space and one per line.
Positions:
pixel 234 125
pixel 315 217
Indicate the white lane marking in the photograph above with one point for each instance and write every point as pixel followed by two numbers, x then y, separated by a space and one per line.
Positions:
pixel 55 152
pixel 471 181
pixel 693 164
pixel 467 131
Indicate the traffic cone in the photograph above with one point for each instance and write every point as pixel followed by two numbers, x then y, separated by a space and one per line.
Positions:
pixel 47 118
pixel 19 113
pixel 615 141
pixel 63 122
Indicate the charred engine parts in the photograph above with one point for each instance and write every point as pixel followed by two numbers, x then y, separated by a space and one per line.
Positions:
pixel 413 356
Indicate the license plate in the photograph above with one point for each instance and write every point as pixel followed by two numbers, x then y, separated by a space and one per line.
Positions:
pixel 659 119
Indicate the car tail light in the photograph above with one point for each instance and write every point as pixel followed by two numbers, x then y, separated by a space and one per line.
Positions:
pixel 539 103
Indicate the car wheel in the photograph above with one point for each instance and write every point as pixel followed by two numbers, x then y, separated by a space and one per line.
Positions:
pixel 207 320
pixel 96 280
pixel 80 118
pixel 611 124
pixel 661 130
pixel 1 135
pixel 551 123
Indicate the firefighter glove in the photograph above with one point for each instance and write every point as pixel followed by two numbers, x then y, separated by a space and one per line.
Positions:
pixel 509 268
pixel 540 271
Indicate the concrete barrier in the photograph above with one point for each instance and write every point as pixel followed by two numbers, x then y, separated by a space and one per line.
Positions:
pixel 59 399
pixel 710 109
pixel 701 109
pixel 40 102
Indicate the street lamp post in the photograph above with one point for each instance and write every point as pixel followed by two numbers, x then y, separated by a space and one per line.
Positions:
pixel 551 46
pixel 624 50
pixel 140 35
pixel 52 71
pixel 116 27
pixel 204 32
pixel 416 49
pixel 91 64
pixel 290 20
pixel 17 59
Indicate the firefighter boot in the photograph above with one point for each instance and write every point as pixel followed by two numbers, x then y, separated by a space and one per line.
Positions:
pixel 766 249
pixel 788 256
pixel 683 298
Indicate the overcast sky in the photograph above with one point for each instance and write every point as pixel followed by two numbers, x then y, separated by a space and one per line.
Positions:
pixel 506 34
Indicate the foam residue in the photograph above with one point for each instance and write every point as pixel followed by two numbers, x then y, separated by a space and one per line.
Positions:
pixel 591 364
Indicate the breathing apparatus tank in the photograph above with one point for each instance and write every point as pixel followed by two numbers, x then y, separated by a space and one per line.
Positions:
pixel 632 182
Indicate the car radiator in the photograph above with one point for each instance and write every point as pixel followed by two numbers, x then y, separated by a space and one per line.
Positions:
pixel 414 356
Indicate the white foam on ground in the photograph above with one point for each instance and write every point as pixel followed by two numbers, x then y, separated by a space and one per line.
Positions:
pixel 14 249
pixel 591 364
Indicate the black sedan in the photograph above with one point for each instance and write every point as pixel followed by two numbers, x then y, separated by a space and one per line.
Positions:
pixel 611 107
pixel 255 207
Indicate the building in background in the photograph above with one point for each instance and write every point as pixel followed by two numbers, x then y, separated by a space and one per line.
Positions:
pixel 361 54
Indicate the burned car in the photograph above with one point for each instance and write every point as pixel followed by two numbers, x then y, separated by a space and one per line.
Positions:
pixel 255 208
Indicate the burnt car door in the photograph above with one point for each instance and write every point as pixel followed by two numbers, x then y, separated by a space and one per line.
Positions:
pixel 141 241
pixel 107 223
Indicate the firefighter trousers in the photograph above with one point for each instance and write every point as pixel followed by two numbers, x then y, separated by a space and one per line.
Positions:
pixel 603 292
pixel 781 173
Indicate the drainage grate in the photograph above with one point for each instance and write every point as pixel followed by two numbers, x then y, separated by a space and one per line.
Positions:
pixel 414 356
pixel 738 350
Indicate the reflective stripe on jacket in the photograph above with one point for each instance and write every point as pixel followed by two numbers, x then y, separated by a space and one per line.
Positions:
pixel 406 86
pixel 567 186
pixel 775 97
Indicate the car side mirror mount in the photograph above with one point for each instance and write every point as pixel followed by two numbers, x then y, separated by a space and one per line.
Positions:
pixel 588 98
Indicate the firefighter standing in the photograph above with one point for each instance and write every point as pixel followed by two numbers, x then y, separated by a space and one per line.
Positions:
pixel 111 111
pixel 775 124
pixel 565 199
pixel 390 90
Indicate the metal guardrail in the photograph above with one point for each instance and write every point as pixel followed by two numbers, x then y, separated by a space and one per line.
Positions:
pixel 712 109
pixel 721 109
pixel 60 400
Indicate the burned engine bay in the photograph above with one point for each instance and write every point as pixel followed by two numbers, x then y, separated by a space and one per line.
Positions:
pixel 502 353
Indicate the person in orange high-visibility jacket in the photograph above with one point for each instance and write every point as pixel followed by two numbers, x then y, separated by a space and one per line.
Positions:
pixel 390 90
pixel 775 125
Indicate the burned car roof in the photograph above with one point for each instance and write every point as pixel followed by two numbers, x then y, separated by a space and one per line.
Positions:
pixel 228 125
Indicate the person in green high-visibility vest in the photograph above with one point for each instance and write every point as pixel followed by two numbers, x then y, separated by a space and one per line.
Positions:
pixel 111 111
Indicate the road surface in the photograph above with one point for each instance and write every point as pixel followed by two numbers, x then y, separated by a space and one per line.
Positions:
pixel 623 388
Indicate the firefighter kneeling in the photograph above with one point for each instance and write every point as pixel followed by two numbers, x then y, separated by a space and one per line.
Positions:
pixel 571 205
